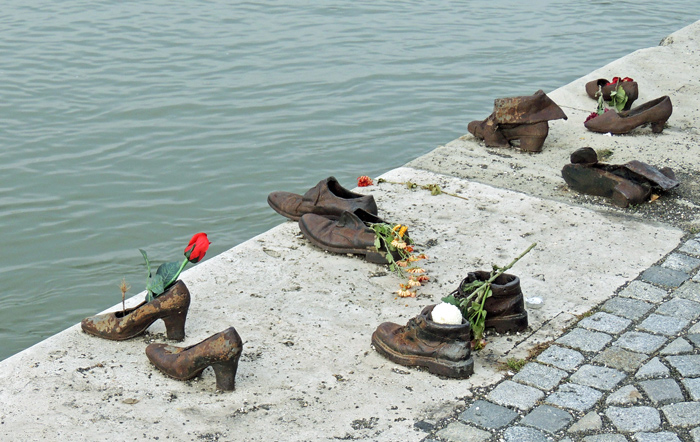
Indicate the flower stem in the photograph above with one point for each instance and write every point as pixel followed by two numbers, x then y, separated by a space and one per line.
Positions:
pixel 182 266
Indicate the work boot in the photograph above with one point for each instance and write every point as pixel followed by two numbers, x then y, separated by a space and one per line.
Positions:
pixel 518 118
pixel 505 308
pixel 443 349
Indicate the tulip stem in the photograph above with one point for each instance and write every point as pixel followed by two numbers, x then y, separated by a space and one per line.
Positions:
pixel 182 266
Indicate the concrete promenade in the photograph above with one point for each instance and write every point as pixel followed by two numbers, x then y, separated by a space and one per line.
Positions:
pixel 618 325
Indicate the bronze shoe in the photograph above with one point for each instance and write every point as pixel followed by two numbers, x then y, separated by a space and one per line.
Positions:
pixel 171 307
pixel 625 184
pixel 220 351
pixel 443 349
pixel 655 112
pixel 505 308
pixel 518 118
pixel 349 234
pixel 630 87
pixel 328 198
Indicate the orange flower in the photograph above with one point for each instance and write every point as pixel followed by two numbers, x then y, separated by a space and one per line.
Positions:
pixel 415 270
pixel 396 227
pixel 406 294
pixel 423 278
pixel 401 263
pixel 403 231
pixel 364 181
pixel 409 249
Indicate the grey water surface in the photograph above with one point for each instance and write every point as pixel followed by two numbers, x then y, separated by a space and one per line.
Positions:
pixel 135 124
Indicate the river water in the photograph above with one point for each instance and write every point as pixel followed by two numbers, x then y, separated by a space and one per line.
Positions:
pixel 135 124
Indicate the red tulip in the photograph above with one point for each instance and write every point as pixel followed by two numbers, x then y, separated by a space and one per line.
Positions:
pixel 197 248
pixel 627 79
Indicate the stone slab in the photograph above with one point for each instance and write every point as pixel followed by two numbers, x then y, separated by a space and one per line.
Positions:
pixel 677 347
pixel 605 322
pixel 687 365
pixel 664 276
pixel 690 290
pixel 661 436
pixel 643 291
pixel 547 418
pixel 488 415
pixel 680 308
pixel 589 422
pixel 561 357
pixel 621 359
pixel 681 262
pixel 459 432
pixel 663 325
pixel 574 396
pixel 634 419
pixel 662 391
pixel 692 386
pixel 525 434
pixel 585 340
pixel 624 396
pixel 513 394
pixel 682 414
pixel 653 369
pixel 626 307
pixel 605 437
pixel 640 342
pixel 601 378
pixel 540 376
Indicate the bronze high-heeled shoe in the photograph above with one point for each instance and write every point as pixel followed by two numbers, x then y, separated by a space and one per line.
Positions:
pixel 222 351
pixel 655 112
pixel 518 118
pixel 171 307
pixel 630 87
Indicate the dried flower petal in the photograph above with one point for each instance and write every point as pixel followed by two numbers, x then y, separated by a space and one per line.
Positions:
pixel 403 231
pixel 423 278
pixel 406 294
pixel 402 263
pixel 415 270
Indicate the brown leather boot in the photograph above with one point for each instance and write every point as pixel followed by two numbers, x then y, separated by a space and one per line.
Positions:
pixel 171 307
pixel 328 198
pixel 505 308
pixel 222 351
pixel 518 118
pixel 443 349
pixel 349 234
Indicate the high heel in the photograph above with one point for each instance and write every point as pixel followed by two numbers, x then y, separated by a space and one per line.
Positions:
pixel 630 87
pixel 172 307
pixel 656 112
pixel 221 351
pixel 518 118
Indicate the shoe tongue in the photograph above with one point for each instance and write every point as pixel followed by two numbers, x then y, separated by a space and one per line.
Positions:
pixel 349 219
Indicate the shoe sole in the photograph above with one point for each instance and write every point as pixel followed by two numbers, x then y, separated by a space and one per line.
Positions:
pixel 461 369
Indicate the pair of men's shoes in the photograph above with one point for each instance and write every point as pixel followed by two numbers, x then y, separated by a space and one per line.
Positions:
pixel 221 351
pixel 333 218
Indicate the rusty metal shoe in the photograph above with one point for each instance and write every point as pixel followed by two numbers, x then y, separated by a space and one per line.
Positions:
pixel 630 87
pixel 171 307
pixel 220 351
pixel 505 308
pixel 627 184
pixel 656 112
pixel 518 118
pixel 442 348
pixel 328 198
pixel 349 234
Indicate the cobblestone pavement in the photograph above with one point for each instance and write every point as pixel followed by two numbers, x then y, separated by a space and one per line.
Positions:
pixel 628 371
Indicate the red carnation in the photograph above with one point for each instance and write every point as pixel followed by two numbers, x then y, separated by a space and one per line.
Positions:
pixel 364 181
pixel 197 248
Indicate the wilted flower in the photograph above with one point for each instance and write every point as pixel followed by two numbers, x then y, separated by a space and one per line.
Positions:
pixel 413 282
pixel 415 270
pixel 364 181
pixel 406 294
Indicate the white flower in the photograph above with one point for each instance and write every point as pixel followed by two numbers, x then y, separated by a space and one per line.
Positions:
pixel 445 313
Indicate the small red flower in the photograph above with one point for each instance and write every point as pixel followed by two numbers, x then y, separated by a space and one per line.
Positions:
pixel 197 248
pixel 364 181
pixel 627 79
pixel 591 116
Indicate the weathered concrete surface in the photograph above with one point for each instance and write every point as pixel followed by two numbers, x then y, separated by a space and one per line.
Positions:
pixel 308 371
pixel 670 69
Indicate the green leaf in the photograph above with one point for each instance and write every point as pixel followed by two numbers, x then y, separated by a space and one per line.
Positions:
pixel 168 271
pixel 156 285
pixel 148 264
pixel 450 299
